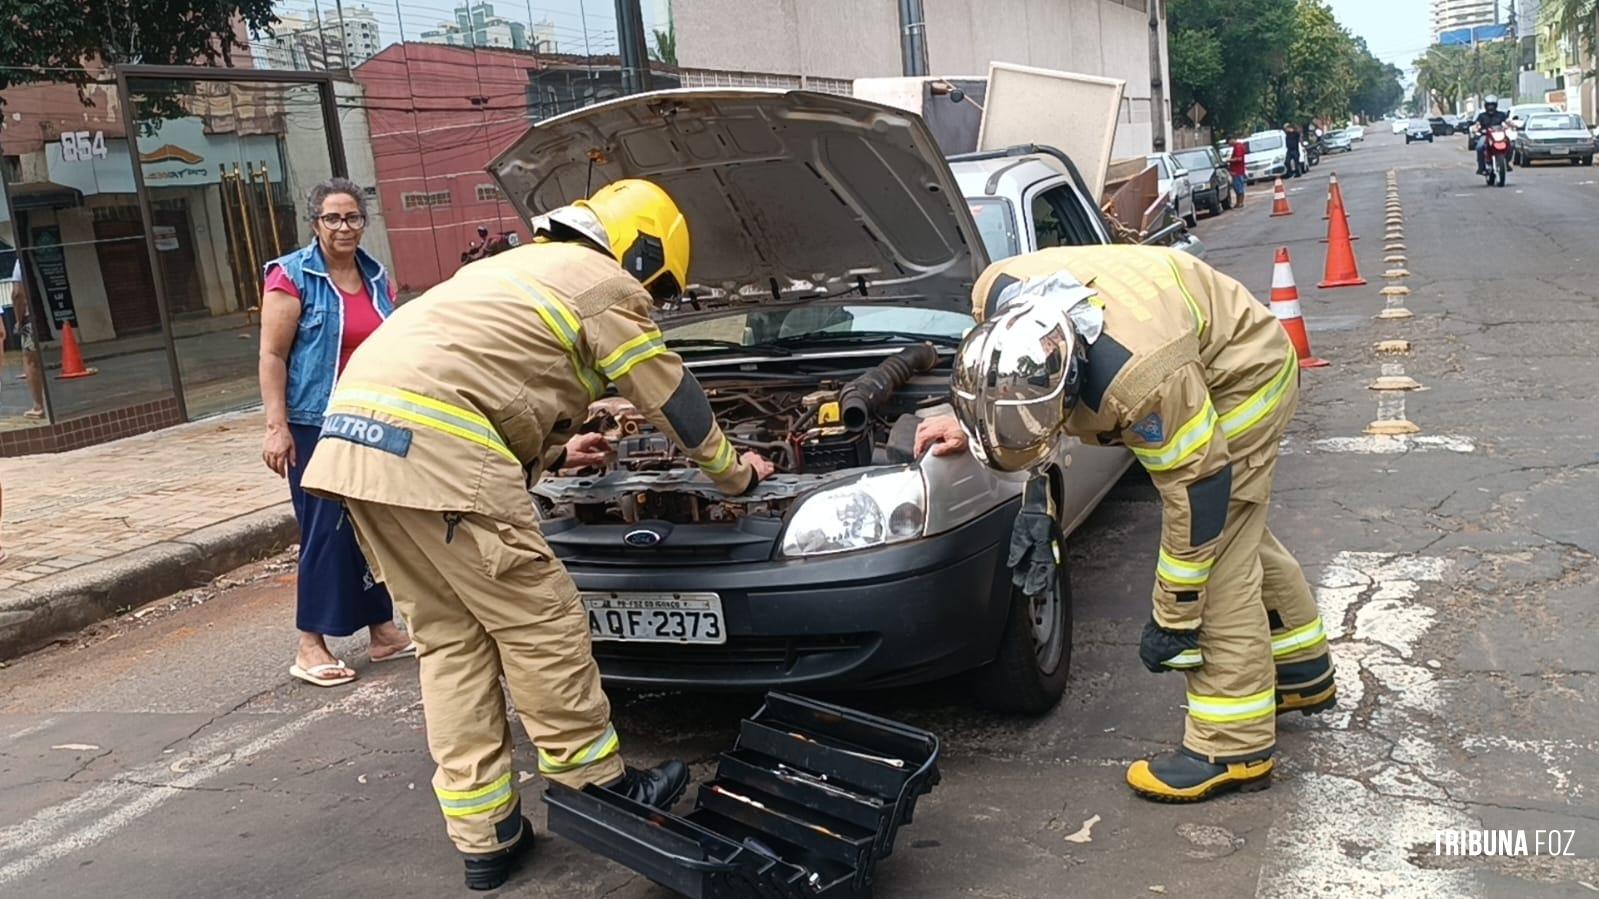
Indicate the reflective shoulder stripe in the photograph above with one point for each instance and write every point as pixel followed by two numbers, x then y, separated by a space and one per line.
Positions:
pixel 622 360
pixel 458 804
pixel 1189 439
pixel 722 461
pixel 566 328
pixel 1299 638
pixel 603 747
pixel 1188 658
pixel 424 411
pixel 1228 709
pixel 1173 570
pixel 1193 305
pixel 1260 403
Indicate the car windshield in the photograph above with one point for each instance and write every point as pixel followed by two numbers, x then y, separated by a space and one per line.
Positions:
pixel 1194 160
pixel 818 323
pixel 1418 123
pixel 1256 144
pixel 1555 123
pixel 1159 162
pixel 996 225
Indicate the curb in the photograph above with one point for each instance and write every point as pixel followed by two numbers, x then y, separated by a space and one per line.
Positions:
pixel 35 613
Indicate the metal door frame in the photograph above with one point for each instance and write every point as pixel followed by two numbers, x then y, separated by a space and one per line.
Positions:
pixel 125 73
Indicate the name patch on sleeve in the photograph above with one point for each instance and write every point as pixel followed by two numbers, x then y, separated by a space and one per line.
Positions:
pixel 379 435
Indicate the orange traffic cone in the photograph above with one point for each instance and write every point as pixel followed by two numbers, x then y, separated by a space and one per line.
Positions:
pixel 1341 270
pixel 1279 199
pixel 1335 200
pixel 71 358
pixel 1285 305
pixel 1332 185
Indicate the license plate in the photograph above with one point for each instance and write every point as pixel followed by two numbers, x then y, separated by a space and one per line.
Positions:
pixel 656 617
pixel 1559 151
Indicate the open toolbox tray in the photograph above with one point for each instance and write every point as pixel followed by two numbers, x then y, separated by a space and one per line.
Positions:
pixel 804 805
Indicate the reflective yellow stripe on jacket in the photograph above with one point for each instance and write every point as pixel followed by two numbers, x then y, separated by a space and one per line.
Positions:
pixel 1262 402
pixel 1193 305
pixel 1189 439
pixel 425 411
pixel 1229 709
pixel 460 803
pixel 621 360
pixel 602 748
pixel 566 328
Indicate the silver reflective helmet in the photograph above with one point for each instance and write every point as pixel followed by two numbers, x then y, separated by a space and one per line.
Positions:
pixel 1016 378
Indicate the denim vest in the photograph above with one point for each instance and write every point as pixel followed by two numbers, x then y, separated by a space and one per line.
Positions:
pixel 314 357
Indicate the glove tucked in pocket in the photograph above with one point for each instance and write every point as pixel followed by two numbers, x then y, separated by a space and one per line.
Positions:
pixel 1167 650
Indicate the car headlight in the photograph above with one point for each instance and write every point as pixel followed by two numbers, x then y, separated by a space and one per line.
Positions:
pixel 873 510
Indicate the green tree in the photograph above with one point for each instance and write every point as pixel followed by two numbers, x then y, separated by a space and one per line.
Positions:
pixel 1378 90
pixel 1577 17
pixel 665 50
pixel 1318 79
pixel 55 40
pixel 1223 53
pixel 1448 76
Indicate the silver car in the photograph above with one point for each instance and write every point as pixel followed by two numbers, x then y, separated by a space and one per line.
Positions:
pixel 1553 135
pixel 832 267
pixel 1174 183
pixel 1208 176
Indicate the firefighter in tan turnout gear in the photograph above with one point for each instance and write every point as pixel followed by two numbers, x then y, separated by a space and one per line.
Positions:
pixel 441 420
pixel 1151 348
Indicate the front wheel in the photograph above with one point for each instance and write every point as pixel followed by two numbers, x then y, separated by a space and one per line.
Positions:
pixel 1028 674
pixel 1227 197
pixel 1192 218
pixel 1576 161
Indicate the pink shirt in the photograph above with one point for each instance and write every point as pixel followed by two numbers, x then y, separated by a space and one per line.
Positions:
pixel 361 317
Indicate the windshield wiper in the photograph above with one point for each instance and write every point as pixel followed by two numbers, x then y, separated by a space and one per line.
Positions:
pixel 732 346
pixel 869 337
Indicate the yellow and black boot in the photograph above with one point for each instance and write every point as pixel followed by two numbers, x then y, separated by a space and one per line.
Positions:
pixel 1185 776
pixel 1306 687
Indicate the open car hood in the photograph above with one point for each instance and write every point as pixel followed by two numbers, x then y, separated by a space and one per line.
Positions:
pixel 790 196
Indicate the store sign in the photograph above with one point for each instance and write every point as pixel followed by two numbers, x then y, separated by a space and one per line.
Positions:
pixel 179 154
pixel 82 146
pixel 166 238
pixel 50 261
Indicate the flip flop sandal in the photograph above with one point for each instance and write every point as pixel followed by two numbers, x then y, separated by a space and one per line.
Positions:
pixel 316 674
pixel 409 652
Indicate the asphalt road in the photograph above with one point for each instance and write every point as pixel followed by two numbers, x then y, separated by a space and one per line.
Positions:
pixel 172 756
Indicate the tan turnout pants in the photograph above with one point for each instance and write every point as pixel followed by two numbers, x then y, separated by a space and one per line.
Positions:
pixel 1259 618
pixel 483 599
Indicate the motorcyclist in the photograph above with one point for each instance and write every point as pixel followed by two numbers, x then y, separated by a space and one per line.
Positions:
pixel 1490 117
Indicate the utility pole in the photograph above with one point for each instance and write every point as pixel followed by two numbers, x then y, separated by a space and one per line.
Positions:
pixel 1157 81
pixel 344 39
pixel 913 38
pixel 630 40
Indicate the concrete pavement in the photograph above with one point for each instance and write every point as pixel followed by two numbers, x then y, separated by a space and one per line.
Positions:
pixel 171 755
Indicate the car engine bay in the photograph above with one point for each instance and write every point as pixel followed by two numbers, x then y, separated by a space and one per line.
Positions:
pixel 817 420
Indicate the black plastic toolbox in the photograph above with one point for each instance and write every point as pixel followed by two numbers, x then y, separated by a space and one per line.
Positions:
pixel 804 805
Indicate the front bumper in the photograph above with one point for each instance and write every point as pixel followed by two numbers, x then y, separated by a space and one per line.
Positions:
pixel 898 615
pixel 1561 151
pixel 1263 172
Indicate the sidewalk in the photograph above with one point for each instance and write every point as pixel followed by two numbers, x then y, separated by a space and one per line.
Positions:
pixel 122 523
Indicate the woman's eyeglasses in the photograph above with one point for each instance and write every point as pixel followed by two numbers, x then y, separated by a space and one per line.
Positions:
pixel 355 221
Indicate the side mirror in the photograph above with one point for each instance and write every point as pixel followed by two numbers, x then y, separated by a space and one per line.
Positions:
pixel 1180 173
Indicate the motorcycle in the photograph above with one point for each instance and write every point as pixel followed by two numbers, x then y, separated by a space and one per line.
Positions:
pixel 1497 141
pixel 484 246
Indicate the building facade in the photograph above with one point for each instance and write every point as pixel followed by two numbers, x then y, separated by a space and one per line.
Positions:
pixel 476 25
pixel 319 43
pixel 1450 15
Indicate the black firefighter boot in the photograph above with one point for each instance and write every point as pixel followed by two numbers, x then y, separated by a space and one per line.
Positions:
pixel 487 871
pixel 1186 776
pixel 1306 687
pixel 656 787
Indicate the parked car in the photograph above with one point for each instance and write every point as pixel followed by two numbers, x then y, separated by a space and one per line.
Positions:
pixel 1418 129
pixel 1398 125
pixel 1518 113
pixel 830 236
pixel 1174 183
pixel 1208 176
pixel 1267 156
pixel 1440 127
pixel 1338 142
pixel 1356 132
pixel 1553 135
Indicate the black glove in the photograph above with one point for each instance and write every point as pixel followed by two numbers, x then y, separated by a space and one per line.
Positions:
pixel 1035 544
pixel 1165 650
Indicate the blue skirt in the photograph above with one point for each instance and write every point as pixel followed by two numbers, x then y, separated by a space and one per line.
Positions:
pixel 337 593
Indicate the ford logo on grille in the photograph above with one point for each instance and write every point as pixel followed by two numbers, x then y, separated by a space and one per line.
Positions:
pixel 641 538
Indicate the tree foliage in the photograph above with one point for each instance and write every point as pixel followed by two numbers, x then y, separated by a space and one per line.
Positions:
pixel 1447 76
pixel 1253 63
pixel 1580 18
pixel 66 40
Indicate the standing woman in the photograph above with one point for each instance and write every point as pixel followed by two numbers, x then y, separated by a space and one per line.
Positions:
pixel 318 304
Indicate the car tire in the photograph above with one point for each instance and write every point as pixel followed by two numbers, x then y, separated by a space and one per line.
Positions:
pixel 1575 161
pixel 1015 681
pixel 1587 160
pixel 1227 197
pixel 1192 218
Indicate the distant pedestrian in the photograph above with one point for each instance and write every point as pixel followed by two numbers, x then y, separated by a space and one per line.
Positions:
pixel 318 304
pixel 15 318
pixel 1296 165
pixel 1238 167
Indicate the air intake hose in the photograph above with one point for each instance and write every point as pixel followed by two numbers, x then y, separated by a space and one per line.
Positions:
pixel 861 398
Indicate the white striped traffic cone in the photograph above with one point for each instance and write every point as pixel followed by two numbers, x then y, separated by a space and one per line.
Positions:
pixel 1285 305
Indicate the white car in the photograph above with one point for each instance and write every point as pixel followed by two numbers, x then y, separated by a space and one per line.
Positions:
pixel 1174 181
pixel 1398 125
pixel 1518 113
pixel 1267 156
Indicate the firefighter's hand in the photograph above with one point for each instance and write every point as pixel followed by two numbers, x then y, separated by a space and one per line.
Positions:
pixel 763 466
pixel 277 450
pixel 942 433
pixel 1167 650
pixel 586 450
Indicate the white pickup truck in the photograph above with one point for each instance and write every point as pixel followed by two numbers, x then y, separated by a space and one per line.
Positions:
pixel 1032 197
